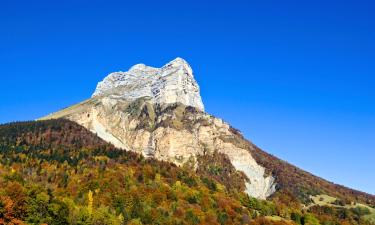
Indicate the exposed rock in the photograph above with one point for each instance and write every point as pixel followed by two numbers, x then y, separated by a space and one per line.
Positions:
pixel 172 83
pixel 159 113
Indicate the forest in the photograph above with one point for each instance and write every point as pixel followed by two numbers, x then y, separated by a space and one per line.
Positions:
pixel 57 172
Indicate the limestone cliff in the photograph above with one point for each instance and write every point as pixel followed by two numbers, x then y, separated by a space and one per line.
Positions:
pixel 171 83
pixel 159 113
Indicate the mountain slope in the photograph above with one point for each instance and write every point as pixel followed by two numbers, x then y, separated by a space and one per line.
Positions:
pixel 57 172
pixel 172 132
pixel 182 124
pixel 143 110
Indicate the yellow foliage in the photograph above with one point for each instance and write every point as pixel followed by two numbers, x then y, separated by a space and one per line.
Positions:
pixel 101 158
pixel 90 202
pixel 177 185
pixel 157 177
pixel 220 187
pixel 121 218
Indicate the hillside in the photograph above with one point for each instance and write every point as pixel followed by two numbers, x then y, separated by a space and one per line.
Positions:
pixel 301 183
pixel 304 184
pixel 186 120
pixel 57 172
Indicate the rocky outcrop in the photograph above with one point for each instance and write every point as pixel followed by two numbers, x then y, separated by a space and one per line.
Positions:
pixel 172 83
pixel 159 113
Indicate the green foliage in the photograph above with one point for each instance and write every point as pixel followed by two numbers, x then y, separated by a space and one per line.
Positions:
pixel 264 208
pixel 310 219
pixel 222 218
pixel 296 217
pixel 209 183
pixel 191 218
pixel 361 211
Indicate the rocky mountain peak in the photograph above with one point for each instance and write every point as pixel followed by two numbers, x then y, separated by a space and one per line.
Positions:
pixel 179 63
pixel 172 83
pixel 158 112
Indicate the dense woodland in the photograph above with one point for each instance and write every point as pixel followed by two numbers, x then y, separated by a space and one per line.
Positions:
pixel 57 172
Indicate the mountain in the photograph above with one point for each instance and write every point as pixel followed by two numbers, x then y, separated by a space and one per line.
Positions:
pixel 158 112
pixel 142 150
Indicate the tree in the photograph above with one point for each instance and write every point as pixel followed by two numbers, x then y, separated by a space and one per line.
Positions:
pixel 90 200
pixel 7 213
pixel 310 219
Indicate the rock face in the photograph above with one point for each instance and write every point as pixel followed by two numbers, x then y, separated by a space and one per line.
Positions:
pixel 159 113
pixel 173 83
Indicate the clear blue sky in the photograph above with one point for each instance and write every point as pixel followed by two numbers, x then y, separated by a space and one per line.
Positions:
pixel 297 77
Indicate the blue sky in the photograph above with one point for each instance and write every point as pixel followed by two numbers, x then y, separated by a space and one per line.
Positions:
pixel 296 77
